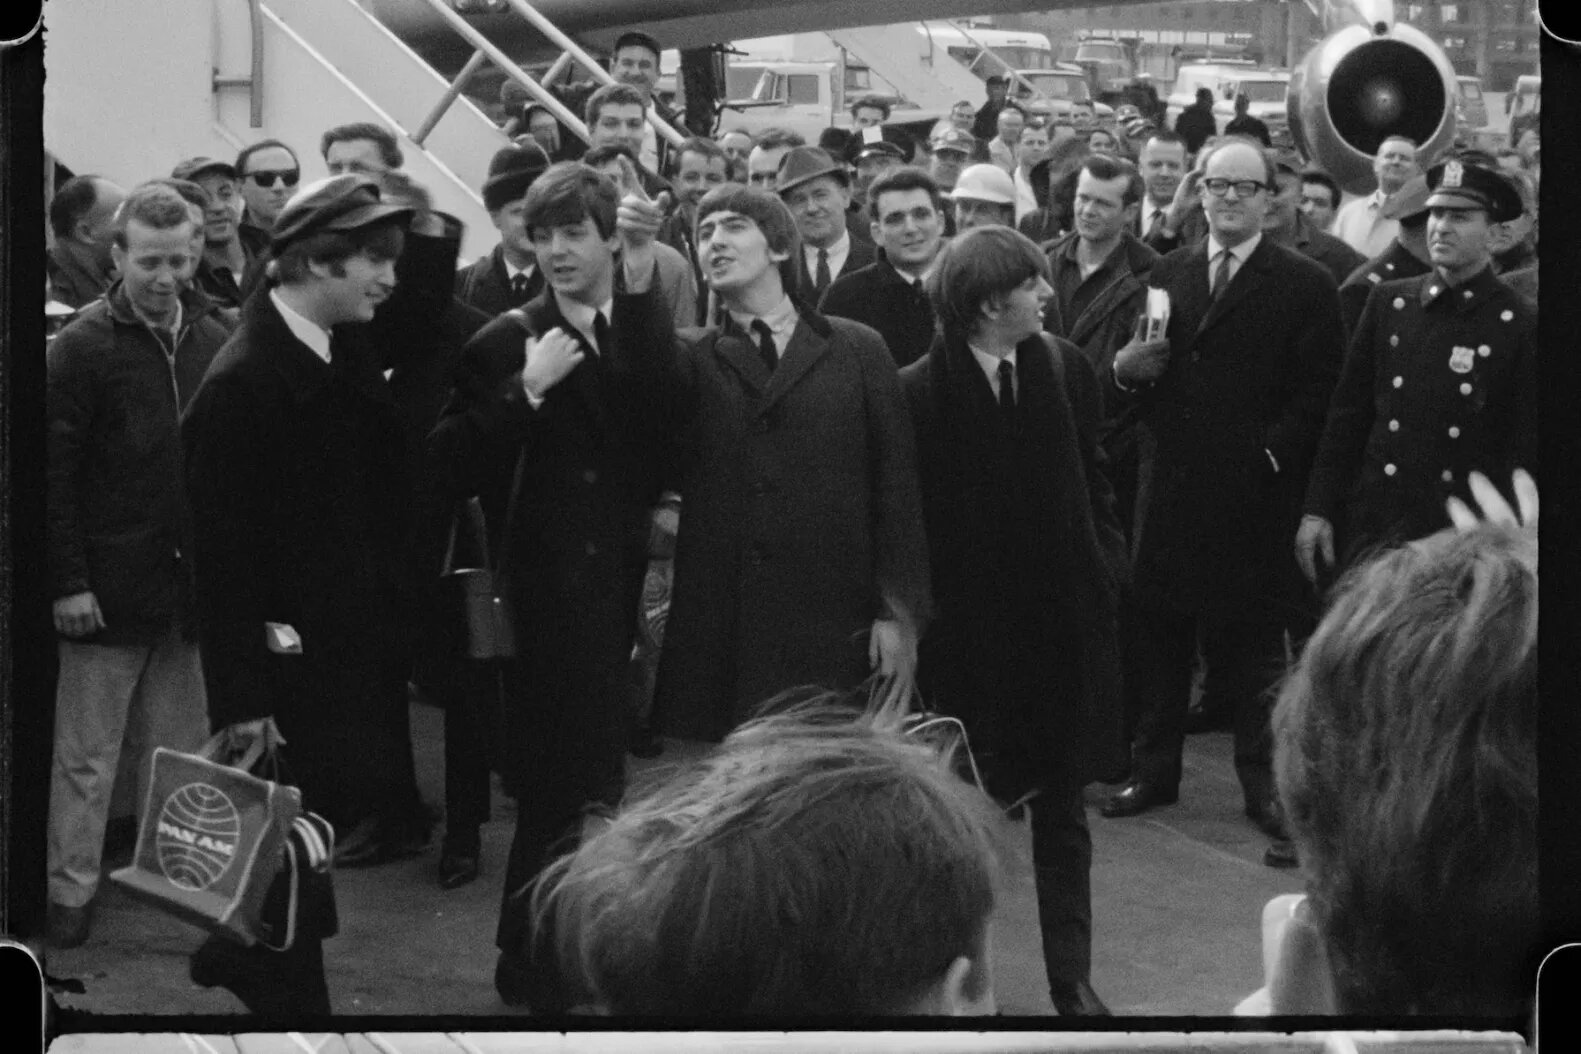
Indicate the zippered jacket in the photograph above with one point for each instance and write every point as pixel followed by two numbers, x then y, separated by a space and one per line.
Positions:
pixel 118 523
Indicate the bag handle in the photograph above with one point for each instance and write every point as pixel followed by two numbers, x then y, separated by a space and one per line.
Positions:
pixel 472 510
pixel 214 750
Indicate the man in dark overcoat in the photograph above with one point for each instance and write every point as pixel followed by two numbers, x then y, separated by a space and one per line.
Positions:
pixel 508 276
pixel 1406 256
pixel 1440 381
pixel 584 411
pixel 1235 395
pixel 888 294
pixel 297 474
pixel 1026 556
pixel 800 558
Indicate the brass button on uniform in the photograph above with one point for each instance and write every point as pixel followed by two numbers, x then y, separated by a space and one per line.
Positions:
pixel 1448 476
pixel 1454 431
pixel 1389 470
pixel 590 476
pixel 591 548
pixel 1394 426
pixel 1465 389
pixel 1399 381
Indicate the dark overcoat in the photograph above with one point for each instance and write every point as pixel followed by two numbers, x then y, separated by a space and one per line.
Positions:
pixel 1026 558
pixel 484 284
pixel 1440 381
pixel 1249 376
pixel 300 491
pixel 576 548
pixel 880 296
pixel 1393 263
pixel 801 521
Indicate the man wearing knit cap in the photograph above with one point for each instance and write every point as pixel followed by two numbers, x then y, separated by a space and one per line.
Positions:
pixel 508 276
pixel 1440 381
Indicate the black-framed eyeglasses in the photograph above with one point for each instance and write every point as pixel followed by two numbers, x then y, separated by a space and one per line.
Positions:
pixel 266 180
pixel 1244 188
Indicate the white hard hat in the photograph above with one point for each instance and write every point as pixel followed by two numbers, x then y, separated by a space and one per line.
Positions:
pixel 985 183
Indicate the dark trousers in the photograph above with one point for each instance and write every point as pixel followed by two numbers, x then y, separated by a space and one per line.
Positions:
pixel 1062 868
pixel 1247 657
pixel 468 692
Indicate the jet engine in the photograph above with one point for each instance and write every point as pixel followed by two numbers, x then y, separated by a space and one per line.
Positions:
pixel 1369 78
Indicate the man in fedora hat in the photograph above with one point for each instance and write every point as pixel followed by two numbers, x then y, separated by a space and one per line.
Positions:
pixel 297 473
pixel 1440 381
pixel 508 276
pixel 817 190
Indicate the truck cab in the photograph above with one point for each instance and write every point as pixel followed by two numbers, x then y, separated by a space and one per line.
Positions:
pixel 808 97
pixel 1524 103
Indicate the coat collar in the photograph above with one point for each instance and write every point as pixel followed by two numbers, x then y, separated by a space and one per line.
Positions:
pixel 305 374
pixel 807 345
pixel 542 314
pixel 194 305
pixel 1435 291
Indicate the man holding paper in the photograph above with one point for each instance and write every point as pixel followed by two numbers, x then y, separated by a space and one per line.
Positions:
pixel 1235 392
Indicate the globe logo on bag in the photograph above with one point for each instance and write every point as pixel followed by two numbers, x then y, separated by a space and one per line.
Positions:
pixel 196 836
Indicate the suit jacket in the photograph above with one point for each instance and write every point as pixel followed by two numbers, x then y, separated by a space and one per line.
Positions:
pixel 880 296
pixel 1248 381
pixel 575 547
pixel 1026 555
pixel 801 522
pixel 861 255
pixel 1437 384
pixel 1337 258
pixel 484 285
pixel 1394 262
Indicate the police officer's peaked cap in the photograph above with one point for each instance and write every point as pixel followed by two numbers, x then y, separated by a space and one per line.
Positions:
pixel 1455 184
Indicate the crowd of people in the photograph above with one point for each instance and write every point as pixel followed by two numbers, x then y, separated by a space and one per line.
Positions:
pixel 1027 426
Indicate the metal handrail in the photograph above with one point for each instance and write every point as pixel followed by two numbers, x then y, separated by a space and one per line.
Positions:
pixel 984 49
pixel 254 82
pixel 569 46
pixel 503 61
pixel 452 93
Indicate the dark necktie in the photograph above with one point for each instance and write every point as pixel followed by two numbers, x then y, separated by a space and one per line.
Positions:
pixel 766 348
pixel 519 288
pixel 1221 276
pixel 1007 391
pixel 1155 226
pixel 601 333
pixel 821 279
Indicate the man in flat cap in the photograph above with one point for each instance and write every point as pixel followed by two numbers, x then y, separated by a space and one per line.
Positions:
pixel 1440 381
pixel 817 190
pixel 508 276
pixel 232 255
pixel 1406 256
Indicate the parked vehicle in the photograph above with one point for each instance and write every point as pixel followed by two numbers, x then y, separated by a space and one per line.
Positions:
pixel 1471 111
pixel 1265 89
pixel 1524 105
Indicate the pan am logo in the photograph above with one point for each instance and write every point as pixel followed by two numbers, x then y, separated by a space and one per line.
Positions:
pixel 197 835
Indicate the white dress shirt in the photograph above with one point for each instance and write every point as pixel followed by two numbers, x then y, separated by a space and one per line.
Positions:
pixel 581 317
pixel 1359 224
pixel 838 254
pixel 1026 201
pixel 309 333
pixel 990 366
pixel 1238 255
pixel 781 321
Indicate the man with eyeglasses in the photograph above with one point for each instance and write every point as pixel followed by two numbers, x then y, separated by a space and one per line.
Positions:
pixel 267 172
pixel 1234 392
pixel 907 211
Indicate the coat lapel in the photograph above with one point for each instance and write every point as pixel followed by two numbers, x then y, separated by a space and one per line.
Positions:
pixel 543 314
pixel 1246 281
pixel 742 356
pixel 807 346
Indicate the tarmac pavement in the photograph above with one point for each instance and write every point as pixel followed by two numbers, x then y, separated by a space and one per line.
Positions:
pixel 1177 900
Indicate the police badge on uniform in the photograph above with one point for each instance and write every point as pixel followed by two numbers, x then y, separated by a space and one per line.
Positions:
pixel 1460 359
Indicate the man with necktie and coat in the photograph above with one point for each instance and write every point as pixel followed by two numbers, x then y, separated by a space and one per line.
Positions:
pixel 1235 394
pixel 508 276
pixel 1027 558
pixel 800 558
pixel 817 190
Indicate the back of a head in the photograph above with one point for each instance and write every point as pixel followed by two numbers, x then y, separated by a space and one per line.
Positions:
pixel 812 865
pixel 74 200
pixel 1405 754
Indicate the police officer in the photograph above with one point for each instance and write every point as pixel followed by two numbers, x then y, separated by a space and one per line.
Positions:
pixel 1406 256
pixel 1440 381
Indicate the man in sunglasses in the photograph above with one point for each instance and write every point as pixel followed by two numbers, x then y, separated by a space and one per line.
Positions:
pixel 1234 390
pixel 267 173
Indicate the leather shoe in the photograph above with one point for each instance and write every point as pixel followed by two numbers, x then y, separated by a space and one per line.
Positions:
pixel 1281 854
pixel 67 927
pixel 1137 797
pixel 373 842
pixel 1077 999
pixel 1266 815
pixel 1200 719
pixel 457 869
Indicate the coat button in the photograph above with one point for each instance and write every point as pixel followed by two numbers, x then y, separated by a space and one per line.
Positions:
pixel 1399 302
pixel 591 548
pixel 1465 389
pixel 1454 431
pixel 1484 351
pixel 590 476
pixel 1448 476
pixel 1467 294
pixel 1394 426
pixel 1432 290
pixel 1507 316
pixel 1399 381
pixel 1389 470
pixel 1394 340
